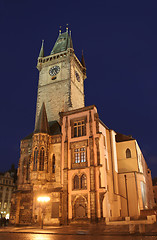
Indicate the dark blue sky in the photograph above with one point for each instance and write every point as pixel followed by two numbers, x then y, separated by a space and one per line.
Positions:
pixel 119 39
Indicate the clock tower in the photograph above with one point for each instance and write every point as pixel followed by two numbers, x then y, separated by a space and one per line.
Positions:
pixel 61 78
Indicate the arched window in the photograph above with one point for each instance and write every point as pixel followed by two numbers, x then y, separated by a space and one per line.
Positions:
pixel 53 164
pixel 35 159
pixel 76 182
pixel 41 161
pixel 83 181
pixel 128 153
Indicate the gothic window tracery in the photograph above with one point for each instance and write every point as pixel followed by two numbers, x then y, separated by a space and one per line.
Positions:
pixel 35 159
pixel 41 161
pixel 83 181
pixel 80 182
pixel 76 182
pixel 128 153
pixel 53 163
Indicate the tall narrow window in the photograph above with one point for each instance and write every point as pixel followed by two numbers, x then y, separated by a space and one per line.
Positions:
pixel 128 153
pixel 77 155
pixel 83 181
pixel 35 159
pixel 53 164
pixel 99 179
pixel 82 154
pixel 41 162
pixel 76 182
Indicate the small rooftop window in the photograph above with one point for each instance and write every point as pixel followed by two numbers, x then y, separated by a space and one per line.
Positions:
pixel 128 153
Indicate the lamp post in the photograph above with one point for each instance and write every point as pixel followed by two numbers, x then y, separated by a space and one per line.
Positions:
pixel 42 200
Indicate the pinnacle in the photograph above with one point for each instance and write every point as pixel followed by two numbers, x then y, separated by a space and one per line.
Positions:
pixel 42 123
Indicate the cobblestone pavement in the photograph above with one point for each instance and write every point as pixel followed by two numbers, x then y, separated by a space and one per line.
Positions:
pixel 91 229
pixel 32 236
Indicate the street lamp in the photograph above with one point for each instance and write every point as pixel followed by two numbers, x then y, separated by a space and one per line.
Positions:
pixel 42 200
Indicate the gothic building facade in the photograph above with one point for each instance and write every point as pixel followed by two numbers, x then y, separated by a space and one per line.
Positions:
pixel 89 171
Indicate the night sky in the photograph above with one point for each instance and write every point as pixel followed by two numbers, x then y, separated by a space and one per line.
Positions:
pixel 119 39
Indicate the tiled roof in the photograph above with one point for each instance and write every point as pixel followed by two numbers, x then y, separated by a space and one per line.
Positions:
pixel 122 138
pixel 54 129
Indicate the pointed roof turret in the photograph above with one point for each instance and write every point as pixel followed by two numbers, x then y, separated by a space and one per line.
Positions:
pixel 83 61
pixel 64 41
pixel 42 123
pixel 41 54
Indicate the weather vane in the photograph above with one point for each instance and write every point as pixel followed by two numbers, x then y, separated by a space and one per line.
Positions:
pixel 60 30
pixel 67 27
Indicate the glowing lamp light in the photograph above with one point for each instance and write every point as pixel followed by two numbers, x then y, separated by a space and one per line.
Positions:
pixel 43 199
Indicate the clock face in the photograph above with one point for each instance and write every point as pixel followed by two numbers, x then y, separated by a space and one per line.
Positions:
pixel 54 70
pixel 77 76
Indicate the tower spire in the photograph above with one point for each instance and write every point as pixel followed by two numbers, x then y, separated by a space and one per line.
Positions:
pixel 64 41
pixel 41 54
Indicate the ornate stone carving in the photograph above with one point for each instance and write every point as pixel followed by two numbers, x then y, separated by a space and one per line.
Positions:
pixel 96 119
pixel 79 144
pixel 98 150
pixel 56 139
pixel 90 124
pixel 92 178
pixel 93 206
pixel 91 151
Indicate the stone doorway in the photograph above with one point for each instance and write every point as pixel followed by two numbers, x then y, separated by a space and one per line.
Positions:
pixel 80 208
